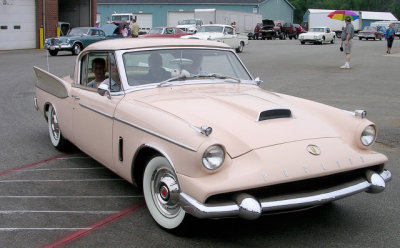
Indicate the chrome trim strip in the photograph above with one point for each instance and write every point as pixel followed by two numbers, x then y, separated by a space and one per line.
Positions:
pixel 157 135
pixel 282 203
pixel 35 103
pixel 97 111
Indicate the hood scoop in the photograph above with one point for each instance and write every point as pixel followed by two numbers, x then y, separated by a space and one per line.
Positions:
pixel 274 114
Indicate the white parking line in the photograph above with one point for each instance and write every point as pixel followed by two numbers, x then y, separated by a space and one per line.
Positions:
pixel 72 196
pixel 61 180
pixel 66 169
pixel 56 212
pixel 10 229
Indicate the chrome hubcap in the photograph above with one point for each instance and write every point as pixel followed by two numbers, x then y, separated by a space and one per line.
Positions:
pixel 55 129
pixel 165 191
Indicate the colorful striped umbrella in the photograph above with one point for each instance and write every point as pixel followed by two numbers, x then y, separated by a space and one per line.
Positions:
pixel 342 14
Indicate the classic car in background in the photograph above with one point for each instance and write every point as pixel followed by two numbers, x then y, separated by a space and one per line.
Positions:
pixel 256 33
pixel 164 32
pixel 319 35
pixel 185 121
pixel 190 25
pixel 272 30
pixel 221 33
pixel 80 37
pixel 372 33
pixel 290 30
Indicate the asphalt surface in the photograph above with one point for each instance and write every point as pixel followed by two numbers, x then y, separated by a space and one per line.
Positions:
pixel 52 199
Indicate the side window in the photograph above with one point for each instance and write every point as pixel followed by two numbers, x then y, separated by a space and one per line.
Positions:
pixel 94 69
pixel 228 30
pixel 101 33
pixel 84 70
pixel 114 81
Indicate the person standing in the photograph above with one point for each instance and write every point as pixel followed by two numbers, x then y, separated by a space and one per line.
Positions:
pixel 134 29
pixel 389 36
pixel 347 37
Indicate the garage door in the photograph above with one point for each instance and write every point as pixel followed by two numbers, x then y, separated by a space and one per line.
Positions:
pixel 145 21
pixel 174 17
pixel 17 24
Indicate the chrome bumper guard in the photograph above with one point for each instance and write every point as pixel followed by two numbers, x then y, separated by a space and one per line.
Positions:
pixel 247 207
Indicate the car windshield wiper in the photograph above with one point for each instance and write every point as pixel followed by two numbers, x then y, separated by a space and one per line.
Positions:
pixel 177 78
pixel 220 76
pixel 184 77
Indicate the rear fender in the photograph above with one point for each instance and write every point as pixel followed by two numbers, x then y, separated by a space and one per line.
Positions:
pixel 50 83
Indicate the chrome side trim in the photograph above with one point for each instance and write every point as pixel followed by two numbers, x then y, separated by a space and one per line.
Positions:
pixel 279 203
pixel 95 110
pixel 157 135
pixel 35 103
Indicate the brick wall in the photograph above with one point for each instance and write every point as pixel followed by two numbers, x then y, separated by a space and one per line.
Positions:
pixel 51 19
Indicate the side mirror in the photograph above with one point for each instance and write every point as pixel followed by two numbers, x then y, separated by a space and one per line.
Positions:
pixel 258 81
pixel 103 89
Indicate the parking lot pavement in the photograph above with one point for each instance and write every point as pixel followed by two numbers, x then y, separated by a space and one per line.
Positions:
pixel 39 197
pixel 52 199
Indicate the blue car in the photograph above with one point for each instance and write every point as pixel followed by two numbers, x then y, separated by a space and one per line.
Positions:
pixel 80 37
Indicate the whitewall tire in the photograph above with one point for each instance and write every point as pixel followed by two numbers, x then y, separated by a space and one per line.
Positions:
pixel 56 136
pixel 161 193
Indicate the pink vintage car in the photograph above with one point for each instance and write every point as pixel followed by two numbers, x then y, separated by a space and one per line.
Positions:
pixel 185 121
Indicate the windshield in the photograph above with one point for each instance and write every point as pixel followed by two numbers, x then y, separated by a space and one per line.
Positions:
pixel 116 18
pixel 321 30
pixel 156 31
pixel 155 66
pixel 187 22
pixel 211 29
pixel 78 31
pixel 369 28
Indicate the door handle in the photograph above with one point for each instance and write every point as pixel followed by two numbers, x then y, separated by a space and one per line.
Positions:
pixel 76 97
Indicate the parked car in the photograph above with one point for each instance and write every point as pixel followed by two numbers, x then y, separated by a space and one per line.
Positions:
pixel 299 29
pixel 272 30
pixel 80 37
pixel 208 142
pixel 257 32
pixel 290 30
pixel 222 33
pixel 190 25
pixel 164 32
pixel 372 33
pixel 319 35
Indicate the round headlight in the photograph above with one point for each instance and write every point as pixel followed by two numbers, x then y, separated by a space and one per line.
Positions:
pixel 213 157
pixel 368 136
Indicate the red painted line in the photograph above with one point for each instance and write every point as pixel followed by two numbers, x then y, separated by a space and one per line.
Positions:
pixel 33 164
pixel 80 233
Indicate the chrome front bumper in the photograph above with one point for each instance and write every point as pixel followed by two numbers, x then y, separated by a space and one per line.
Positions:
pixel 58 47
pixel 248 207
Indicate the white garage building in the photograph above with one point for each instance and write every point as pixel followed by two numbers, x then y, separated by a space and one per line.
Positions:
pixel 17 24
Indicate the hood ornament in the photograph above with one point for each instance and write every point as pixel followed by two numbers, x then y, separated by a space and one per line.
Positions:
pixel 204 130
pixel 314 150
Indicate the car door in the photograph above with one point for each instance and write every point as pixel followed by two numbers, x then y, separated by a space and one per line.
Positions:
pixel 169 32
pixel 230 37
pixel 93 114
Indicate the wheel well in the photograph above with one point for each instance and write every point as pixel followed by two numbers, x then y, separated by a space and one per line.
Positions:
pixel 46 109
pixel 80 44
pixel 139 164
pixel 242 43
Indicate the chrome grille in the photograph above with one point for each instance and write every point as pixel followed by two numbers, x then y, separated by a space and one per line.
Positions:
pixel 54 41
